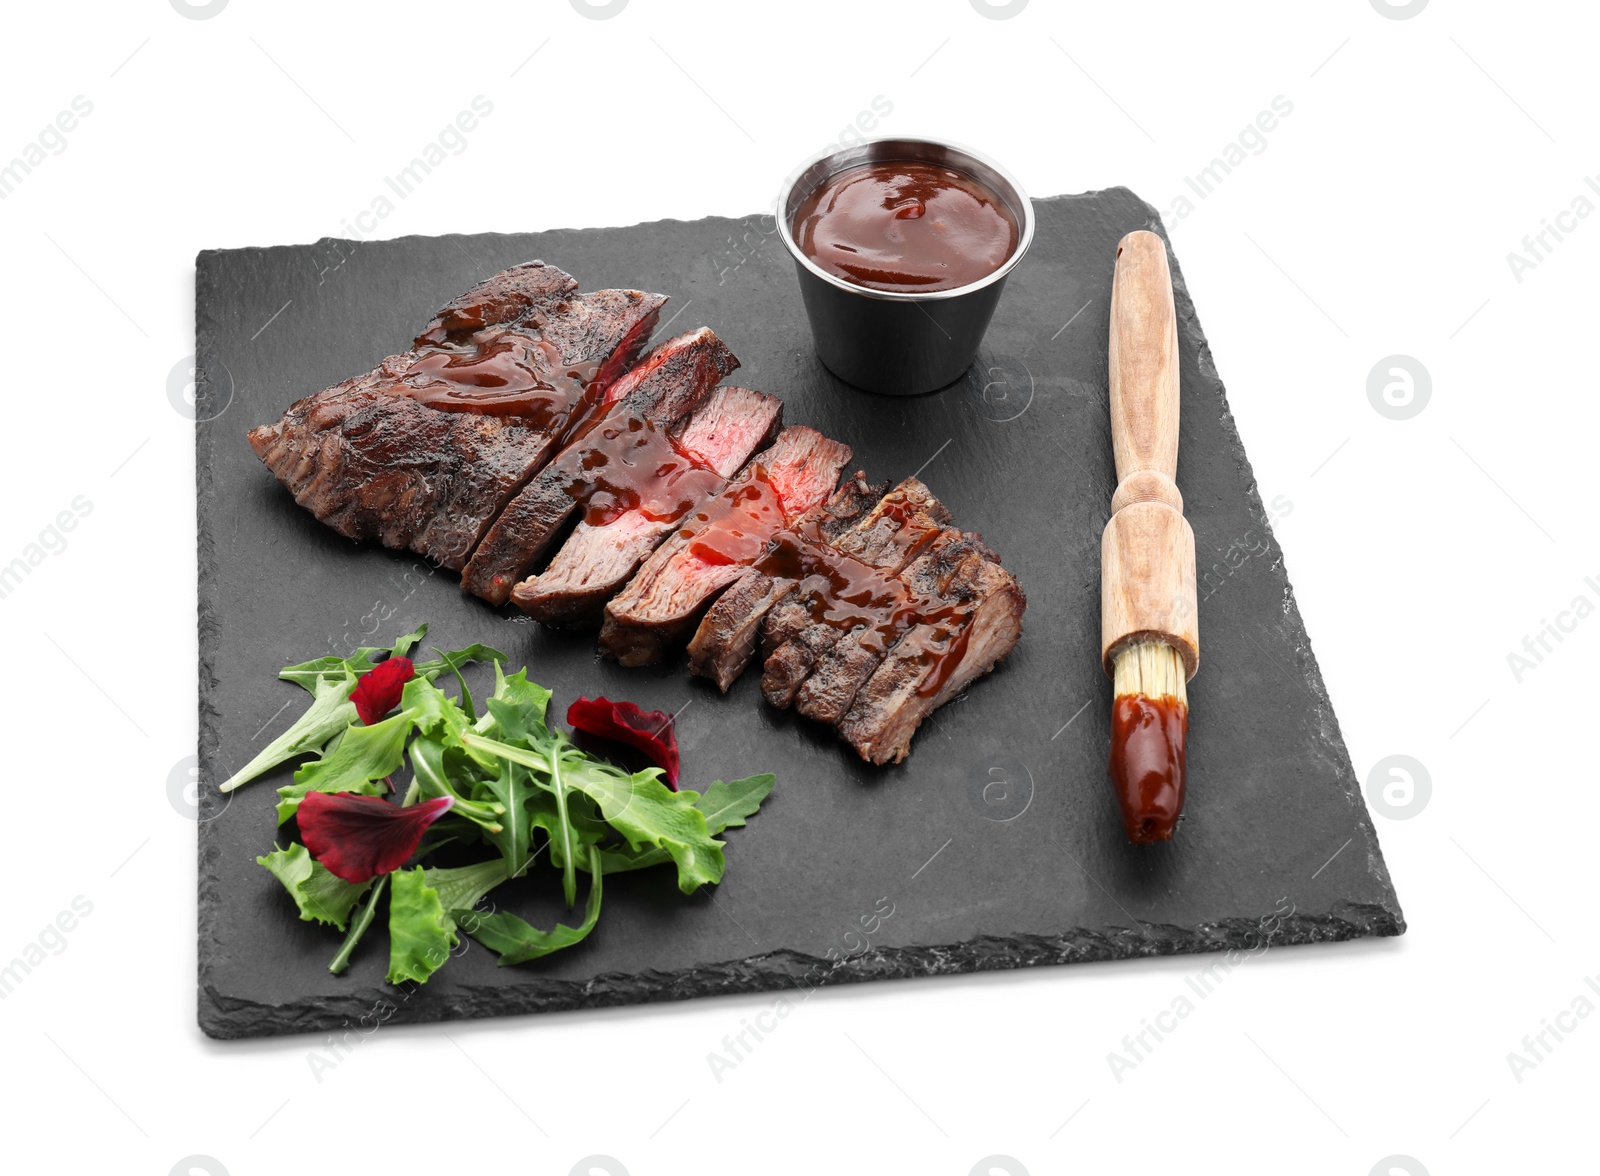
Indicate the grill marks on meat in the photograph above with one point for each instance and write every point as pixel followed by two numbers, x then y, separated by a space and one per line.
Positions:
pixel 598 558
pixel 717 543
pixel 895 614
pixel 372 462
pixel 616 462
pixel 901 528
pixel 976 622
pixel 726 639
pixel 849 603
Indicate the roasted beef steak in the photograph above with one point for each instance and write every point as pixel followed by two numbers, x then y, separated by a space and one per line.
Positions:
pixel 373 461
pixel 522 420
pixel 716 542
pixel 614 456
pixel 599 557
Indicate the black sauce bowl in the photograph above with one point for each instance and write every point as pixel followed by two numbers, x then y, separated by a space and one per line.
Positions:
pixel 900 343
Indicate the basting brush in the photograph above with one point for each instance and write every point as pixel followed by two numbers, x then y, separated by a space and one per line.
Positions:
pixel 1150 644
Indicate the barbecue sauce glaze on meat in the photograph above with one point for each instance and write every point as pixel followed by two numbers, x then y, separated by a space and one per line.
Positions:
pixel 902 226
pixel 505 371
pixel 738 527
pixel 839 590
pixel 636 466
pixel 852 596
pixel 1147 764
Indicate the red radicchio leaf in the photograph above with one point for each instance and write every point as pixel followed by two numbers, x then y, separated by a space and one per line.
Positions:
pixel 359 837
pixel 378 690
pixel 648 731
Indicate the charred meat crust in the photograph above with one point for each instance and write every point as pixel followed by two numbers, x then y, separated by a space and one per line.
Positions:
pixel 375 465
pixel 512 295
pixel 596 561
pixel 670 382
pixel 726 639
pixel 818 666
pixel 935 660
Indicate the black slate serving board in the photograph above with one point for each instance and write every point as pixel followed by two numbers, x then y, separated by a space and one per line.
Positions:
pixel 996 845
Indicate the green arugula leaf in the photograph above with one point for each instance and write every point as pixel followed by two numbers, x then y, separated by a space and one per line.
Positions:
pixel 727 805
pixel 363 758
pixel 517 941
pixel 330 713
pixel 318 669
pixel 454 659
pixel 640 807
pixel 403 647
pixel 321 896
pixel 433 776
pixel 313 673
pixel 466 703
pixel 584 825
pixel 512 789
pixel 421 934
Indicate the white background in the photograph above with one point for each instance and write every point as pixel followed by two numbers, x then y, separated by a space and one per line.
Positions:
pixel 1377 220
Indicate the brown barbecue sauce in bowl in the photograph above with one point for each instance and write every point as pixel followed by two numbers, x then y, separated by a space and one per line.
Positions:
pixel 902 248
pixel 905 226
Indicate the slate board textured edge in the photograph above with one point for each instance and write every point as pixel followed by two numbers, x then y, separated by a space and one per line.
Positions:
pixel 784 971
pixel 222 1016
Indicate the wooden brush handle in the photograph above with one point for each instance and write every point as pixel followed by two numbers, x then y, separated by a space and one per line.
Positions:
pixel 1147 581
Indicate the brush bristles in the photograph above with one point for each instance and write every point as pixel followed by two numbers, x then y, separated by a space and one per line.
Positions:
pixel 1151 668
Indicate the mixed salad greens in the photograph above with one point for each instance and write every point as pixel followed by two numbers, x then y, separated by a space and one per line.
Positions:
pixel 504 782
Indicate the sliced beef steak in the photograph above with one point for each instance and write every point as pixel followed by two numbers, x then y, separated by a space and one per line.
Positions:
pixel 827 638
pixel 424 450
pixel 510 296
pixel 726 639
pixel 599 557
pixel 717 542
pixel 969 618
pixel 615 457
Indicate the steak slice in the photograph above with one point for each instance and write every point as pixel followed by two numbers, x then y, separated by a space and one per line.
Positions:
pixel 372 461
pixel 599 557
pixel 724 536
pixel 509 296
pixel 970 617
pixel 823 648
pixel 726 639
pixel 615 453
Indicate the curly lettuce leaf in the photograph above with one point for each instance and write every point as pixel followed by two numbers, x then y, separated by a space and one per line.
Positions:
pixel 464 887
pixel 421 933
pixel 321 897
